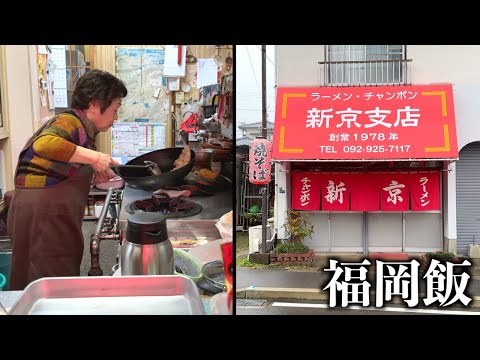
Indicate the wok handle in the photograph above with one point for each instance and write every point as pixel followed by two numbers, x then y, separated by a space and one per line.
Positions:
pixel 131 166
pixel 116 168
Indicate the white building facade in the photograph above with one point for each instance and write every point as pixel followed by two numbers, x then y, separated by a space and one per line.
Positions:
pixel 456 222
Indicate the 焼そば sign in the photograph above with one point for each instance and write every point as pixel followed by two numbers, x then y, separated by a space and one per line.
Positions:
pixel 259 157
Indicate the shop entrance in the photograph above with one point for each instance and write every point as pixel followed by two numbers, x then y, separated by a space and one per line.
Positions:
pixel 384 232
pixel 376 232
pixel 404 232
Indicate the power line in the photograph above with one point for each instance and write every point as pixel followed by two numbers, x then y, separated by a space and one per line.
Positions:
pixel 253 69
pixel 250 93
pixel 255 110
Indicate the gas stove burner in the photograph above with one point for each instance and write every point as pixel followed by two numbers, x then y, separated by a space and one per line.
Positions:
pixel 169 207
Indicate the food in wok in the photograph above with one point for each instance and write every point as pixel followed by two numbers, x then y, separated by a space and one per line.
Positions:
pixel 207 174
pixel 184 158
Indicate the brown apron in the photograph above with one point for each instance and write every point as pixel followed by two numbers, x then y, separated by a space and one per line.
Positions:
pixel 45 225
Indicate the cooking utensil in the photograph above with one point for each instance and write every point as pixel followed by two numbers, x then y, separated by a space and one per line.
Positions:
pixel 209 256
pixel 214 273
pixel 139 175
pixel 187 265
pixel 152 167
pixel 213 278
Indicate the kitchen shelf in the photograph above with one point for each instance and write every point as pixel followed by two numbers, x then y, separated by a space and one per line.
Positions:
pixel 90 218
pixel 95 191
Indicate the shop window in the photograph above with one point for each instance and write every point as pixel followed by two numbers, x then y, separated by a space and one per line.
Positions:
pixel 366 65
pixel 78 60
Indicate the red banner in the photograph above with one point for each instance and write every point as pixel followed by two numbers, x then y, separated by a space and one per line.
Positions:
pixel 363 123
pixel 364 196
pixel 305 191
pixel 366 192
pixel 394 192
pixel 335 192
pixel 425 191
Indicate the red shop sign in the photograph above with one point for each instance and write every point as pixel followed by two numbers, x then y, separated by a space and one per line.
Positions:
pixel 260 156
pixel 364 123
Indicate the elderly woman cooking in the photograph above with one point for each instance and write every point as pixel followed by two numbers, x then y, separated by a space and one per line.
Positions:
pixel 53 178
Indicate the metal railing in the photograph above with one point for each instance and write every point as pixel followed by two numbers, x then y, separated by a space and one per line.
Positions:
pixel 365 73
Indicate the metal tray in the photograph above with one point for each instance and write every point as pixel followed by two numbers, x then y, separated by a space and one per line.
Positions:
pixel 208 252
pixel 111 295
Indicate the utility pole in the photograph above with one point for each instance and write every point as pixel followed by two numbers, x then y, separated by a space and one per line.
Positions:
pixel 260 167
pixel 264 135
pixel 264 91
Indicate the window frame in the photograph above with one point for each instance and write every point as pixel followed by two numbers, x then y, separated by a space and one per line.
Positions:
pixel 90 65
pixel 357 72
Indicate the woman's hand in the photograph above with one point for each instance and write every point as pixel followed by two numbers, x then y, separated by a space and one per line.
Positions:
pixel 103 163
pixel 103 172
pixel 103 176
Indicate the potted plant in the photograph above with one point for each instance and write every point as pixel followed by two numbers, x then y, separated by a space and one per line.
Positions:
pixel 297 226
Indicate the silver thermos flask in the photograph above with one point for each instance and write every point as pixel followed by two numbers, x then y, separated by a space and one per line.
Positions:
pixel 147 249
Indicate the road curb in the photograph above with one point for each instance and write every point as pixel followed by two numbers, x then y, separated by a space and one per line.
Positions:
pixel 317 294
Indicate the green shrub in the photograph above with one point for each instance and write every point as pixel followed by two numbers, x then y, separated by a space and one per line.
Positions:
pixel 440 255
pixel 298 225
pixel 245 262
pixel 253 218
pixel 291 247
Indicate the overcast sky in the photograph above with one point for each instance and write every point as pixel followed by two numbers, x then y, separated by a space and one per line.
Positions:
pixel 248 81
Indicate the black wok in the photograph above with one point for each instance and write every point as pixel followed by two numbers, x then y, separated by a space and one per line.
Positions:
pixel 142 178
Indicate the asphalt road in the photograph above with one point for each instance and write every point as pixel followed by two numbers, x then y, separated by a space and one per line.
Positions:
pixel 303 307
